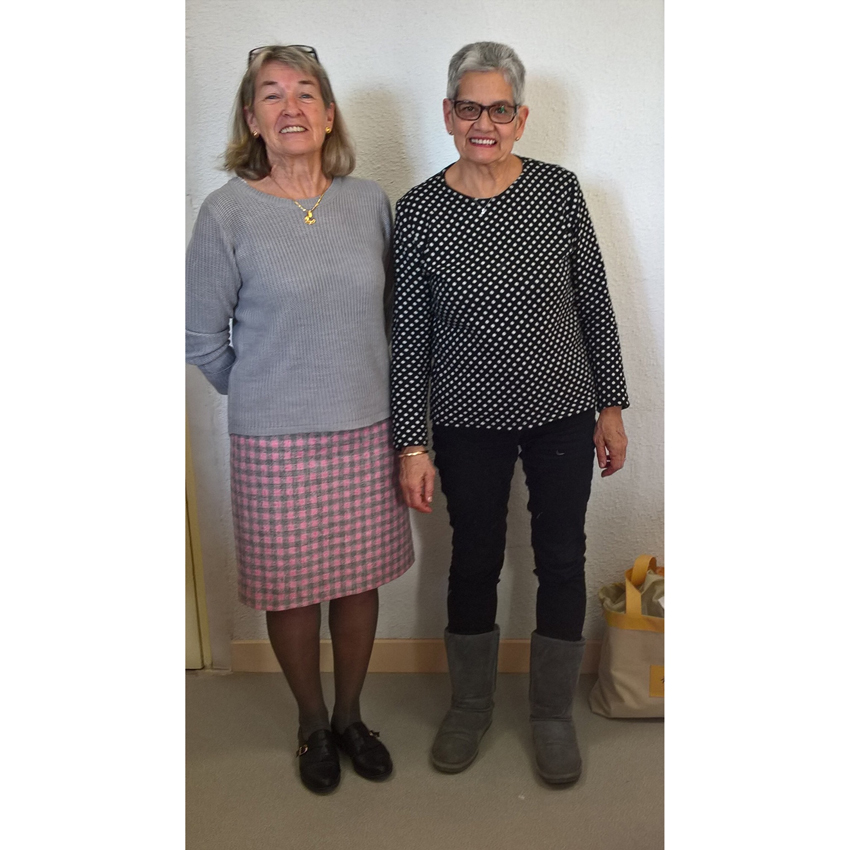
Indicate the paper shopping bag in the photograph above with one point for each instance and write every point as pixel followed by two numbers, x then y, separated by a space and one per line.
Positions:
pixel 631 665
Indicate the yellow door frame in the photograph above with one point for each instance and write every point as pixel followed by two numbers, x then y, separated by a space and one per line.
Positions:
pixel 194 559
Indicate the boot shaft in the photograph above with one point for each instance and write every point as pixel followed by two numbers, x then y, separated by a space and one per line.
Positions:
pixel 473 666
pixel 553 676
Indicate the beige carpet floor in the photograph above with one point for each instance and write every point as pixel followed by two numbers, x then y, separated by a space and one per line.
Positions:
pixel 243 791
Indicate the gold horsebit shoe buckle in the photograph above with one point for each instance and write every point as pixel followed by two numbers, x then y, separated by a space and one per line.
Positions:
pixel 303 748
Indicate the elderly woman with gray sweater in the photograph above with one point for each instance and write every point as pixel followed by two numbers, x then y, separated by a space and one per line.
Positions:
pixel 285 312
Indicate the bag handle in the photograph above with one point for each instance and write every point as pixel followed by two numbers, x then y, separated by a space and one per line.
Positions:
pixel 635 577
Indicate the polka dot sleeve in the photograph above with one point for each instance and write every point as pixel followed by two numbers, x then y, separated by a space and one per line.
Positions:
pixel 411 333
pixel 596 315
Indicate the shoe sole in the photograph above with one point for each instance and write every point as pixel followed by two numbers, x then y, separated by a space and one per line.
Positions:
pixel 382 778
pixel 444 767
pixel 321 791
pixel 559 780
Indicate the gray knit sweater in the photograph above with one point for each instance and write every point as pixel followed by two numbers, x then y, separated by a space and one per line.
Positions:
pixel 308 349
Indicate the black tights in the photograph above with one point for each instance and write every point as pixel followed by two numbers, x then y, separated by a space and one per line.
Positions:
pixel 294 636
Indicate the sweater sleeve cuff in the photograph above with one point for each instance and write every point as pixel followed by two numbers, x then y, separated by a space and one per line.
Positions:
pixel 614 401
pixel 404 440
pixel 220 379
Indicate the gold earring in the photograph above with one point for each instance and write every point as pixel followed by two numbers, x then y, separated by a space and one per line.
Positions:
pixel 327 131
pixel 255 134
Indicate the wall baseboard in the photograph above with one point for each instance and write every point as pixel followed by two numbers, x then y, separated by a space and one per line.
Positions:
pixel 398 656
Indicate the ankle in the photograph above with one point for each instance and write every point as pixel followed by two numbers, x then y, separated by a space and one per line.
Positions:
pixel 308 725
pixel 341 720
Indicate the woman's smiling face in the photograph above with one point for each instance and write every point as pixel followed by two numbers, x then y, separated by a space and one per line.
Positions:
pixel 482 141
pixel 288 112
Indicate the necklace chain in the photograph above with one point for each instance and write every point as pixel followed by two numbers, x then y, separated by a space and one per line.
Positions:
pixel 309 218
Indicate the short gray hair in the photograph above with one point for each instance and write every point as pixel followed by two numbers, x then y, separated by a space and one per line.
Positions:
pixel 487 56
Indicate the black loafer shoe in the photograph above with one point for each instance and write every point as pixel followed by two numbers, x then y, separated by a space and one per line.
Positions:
pixel 318 762
pixel 368 755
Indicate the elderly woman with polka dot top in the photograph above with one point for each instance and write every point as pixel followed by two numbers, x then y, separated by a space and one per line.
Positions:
pixel 504 325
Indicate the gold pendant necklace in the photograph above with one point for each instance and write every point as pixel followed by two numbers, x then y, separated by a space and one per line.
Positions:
pixel 309 218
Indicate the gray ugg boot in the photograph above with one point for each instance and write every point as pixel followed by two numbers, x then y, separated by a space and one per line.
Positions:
pixel 555 666
pixel 473 661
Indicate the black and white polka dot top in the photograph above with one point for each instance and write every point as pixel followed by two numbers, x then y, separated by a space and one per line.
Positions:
pixel 501 308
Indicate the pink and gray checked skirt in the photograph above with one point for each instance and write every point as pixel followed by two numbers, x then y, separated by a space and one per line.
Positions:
pixel 317 516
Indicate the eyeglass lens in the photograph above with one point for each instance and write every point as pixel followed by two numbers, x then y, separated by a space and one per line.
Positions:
pixel 500 113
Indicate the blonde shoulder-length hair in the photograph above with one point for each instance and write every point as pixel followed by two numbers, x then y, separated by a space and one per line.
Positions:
pixel 246 155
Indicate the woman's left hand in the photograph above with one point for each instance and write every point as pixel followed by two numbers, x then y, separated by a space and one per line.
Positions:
pixel 417 479
pixel 610 439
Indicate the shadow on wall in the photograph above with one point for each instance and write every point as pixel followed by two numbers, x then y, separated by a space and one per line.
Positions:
pixel 518 584
pixel 432 536
pixel 372 119
pixel 633 516
pixel 552 127
pixel 622 519
pixel 207 418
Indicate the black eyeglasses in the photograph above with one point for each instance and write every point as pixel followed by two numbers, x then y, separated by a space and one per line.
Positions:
pixel 500 113
pixel 310 51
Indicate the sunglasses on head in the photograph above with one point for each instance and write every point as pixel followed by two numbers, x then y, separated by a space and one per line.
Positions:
pixel 310 51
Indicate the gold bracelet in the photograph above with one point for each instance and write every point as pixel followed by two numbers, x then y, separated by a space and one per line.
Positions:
pixel 413 454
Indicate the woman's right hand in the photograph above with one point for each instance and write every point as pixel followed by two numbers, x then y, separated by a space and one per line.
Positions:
pixel 417 479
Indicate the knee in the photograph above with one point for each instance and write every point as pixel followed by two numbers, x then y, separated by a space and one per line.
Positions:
pixel 477 571
pixel 564 550
pixel 479 548
pixel 560 570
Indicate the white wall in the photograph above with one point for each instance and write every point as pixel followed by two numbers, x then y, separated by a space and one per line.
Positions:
pixel 594 90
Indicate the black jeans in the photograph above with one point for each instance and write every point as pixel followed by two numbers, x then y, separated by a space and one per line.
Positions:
pixel 476 466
